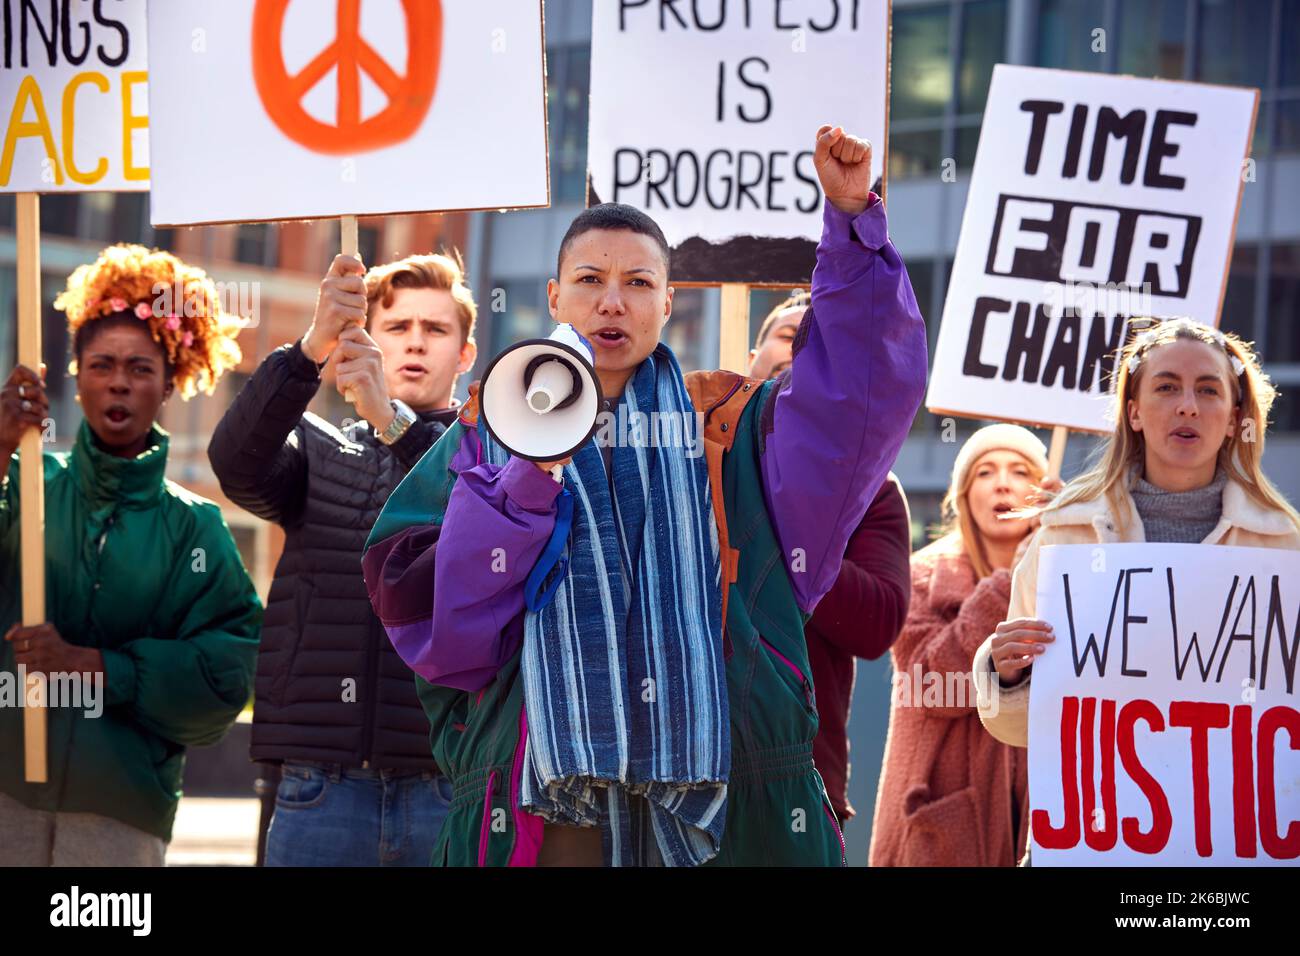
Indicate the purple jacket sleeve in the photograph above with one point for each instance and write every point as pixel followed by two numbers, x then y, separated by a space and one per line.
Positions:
pixel 853 390
pixel 498 521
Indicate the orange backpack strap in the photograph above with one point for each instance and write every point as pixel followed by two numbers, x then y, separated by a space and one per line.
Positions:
pixel 721 396
pixel 469 411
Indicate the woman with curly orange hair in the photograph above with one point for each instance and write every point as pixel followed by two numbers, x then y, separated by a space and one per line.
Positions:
pixel 153 620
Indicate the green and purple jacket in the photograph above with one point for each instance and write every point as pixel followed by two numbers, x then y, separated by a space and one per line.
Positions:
pixel 793 465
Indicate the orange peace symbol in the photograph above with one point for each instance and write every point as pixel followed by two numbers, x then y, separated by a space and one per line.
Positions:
pixel 408 95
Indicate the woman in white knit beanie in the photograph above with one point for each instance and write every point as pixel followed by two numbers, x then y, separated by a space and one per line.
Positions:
pixel 951 795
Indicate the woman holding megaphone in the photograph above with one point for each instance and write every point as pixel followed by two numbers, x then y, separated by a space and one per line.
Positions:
pixel 644 698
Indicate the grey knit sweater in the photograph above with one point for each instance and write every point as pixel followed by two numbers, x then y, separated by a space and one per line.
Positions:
pixel 1178 517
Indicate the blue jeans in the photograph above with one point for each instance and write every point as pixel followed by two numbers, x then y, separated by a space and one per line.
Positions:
pixel 326 815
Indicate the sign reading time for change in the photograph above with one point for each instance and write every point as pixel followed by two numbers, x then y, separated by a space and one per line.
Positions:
pixel 291 109
pixel 1163 721
pixel 74 99
pixel 1094 199
pixel 704 114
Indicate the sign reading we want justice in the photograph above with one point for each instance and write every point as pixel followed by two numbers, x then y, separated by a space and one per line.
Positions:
pixel 1163 721
pixel 1094 199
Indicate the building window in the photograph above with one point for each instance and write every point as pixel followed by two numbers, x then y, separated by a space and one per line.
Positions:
pixel 685 333
pixel 937 99
pixel 1152 38
pixel 1287 139
pixel 251 243
pixel 368 244
pixel 1286 410
pixel 1066 37
pixel 1234 41
pixel 915 153
pixel 256 243
pixel 59 214
pixel 1238 314
pixel 1283 307
pixel 1289 68
pixel 568 72
pixel 234 383
pixel 523 313
pixel 983 43
pixel 97 217
pixel 56 349
pixel 131 219
pixel 922 68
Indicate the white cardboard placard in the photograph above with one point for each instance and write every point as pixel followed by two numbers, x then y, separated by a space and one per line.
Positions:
pixel 1094 198
pixel 284 109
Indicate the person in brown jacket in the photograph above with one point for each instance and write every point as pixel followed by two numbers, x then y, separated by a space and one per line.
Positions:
pixel 951 795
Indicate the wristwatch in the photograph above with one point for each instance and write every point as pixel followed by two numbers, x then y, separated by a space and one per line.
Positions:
pixel 403 420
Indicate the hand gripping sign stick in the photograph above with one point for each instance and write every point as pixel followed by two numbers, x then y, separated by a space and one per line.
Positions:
pixel 32 479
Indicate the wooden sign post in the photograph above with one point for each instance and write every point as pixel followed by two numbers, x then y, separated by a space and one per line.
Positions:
pixel 32 481
pixel 733 341
pixel 1056 452
pixel 349 246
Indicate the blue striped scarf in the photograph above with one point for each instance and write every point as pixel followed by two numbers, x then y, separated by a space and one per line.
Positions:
pixel 624 678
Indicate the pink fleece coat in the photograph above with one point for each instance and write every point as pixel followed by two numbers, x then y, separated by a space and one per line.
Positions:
pixel 950 794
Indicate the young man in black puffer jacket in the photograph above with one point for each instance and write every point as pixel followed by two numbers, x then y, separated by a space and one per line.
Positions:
pixel 335 705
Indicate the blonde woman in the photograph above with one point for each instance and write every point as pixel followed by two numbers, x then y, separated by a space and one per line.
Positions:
pixel 949 794
pixel 1183 465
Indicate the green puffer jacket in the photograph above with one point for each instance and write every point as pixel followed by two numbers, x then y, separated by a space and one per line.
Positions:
pixel 778 813
pixel 147 572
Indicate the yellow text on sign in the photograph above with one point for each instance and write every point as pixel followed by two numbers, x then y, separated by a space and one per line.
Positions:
pixel 85 171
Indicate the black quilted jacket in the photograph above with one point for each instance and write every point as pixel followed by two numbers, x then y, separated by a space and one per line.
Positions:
pixel 329 685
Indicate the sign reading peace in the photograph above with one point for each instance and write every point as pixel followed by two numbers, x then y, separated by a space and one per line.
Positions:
pixel 409 93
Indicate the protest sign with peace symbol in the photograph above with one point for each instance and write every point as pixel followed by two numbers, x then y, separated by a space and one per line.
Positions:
pixel 267 110
pixel 409 93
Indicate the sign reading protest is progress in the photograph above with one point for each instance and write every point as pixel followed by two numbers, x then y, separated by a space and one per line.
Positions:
pixel 73 95
pixel 704 114
pixel 1163 721
pixel 305 108
pixel 1094 199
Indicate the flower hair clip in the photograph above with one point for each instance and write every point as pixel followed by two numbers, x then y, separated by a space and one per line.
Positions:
pixel 1148 338
pixel 1142 343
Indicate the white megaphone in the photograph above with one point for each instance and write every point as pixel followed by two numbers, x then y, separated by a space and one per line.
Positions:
pixel 539 398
